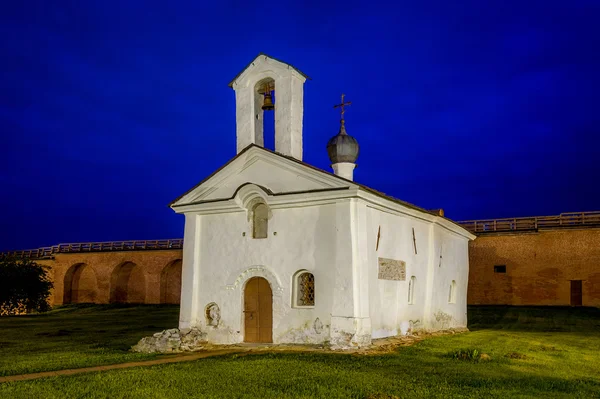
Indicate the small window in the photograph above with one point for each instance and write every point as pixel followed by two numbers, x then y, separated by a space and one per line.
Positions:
pixel 452 292
pixel 411 290
pixel 500 269
pixel 305 290
pixel 260 221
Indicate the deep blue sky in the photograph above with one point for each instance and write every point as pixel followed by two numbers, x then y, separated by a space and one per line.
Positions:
pixel 110 110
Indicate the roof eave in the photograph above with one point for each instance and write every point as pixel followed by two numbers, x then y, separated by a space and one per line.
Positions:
pixel 273 58
pixel 172 203
pixel 360 186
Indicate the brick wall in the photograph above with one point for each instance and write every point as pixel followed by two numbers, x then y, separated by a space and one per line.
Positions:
pixel 539 270
pixel 539 267
pixel 120 276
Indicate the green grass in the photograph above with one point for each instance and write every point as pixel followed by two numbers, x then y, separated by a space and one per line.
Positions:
pixel 527 360
pixel 78 336
pixel 535 318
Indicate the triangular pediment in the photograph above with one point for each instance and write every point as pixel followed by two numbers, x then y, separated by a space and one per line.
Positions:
pixel 262 61
pixel 274 172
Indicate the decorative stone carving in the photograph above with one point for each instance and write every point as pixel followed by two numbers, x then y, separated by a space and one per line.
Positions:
pixel 213 314
pixel 391 269
pixel 237 278
pixel 318 326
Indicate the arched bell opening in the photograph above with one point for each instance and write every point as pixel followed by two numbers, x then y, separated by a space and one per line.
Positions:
pixel 264 111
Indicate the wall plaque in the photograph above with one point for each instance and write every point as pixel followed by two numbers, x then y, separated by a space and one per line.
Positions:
pixel 391 269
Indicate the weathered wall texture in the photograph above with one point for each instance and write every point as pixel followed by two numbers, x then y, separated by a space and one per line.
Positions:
pixel 337 243
pixel 539 267
pixel 329 227
pixel 441 257
pixel 116 277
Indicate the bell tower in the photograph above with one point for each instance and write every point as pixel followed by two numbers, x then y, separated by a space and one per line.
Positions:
pixel 254 88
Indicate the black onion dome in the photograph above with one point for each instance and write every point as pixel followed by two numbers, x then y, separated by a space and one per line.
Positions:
pixel 342 147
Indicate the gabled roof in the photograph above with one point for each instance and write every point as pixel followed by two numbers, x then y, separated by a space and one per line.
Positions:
pixel 254 165
pixel 212 174
pixel 351 182
pixel 268 56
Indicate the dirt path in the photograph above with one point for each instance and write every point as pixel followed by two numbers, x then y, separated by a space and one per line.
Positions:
pixel 174 359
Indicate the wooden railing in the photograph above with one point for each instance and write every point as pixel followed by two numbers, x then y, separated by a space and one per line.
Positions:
pixel 135 245
pixel 573 219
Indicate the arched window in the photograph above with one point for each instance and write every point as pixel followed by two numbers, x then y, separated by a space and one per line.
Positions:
pixel 260 220
pixel 411 290
pixel 452 293
pixel 304 289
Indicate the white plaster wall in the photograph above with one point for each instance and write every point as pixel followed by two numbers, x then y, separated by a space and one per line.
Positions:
pixel 266 174
pixel 454 266
pixel 332 237
pixel 390 310
pixel 389 305
pixel 319 239
pixel 289 112
pixel 350 321
pixel 305 239
pixel 190 273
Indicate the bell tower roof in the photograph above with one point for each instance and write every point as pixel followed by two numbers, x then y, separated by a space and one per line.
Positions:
pixel 254 102
pixel 266 56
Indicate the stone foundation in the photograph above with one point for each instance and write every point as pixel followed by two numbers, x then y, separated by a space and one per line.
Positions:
pixel 192 339
pixel 172 341
pixel 188 340
pixel 350 332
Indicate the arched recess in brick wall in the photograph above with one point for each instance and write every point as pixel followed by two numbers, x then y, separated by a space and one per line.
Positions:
pixel 80 284
pixel 170 283
pixel 128 284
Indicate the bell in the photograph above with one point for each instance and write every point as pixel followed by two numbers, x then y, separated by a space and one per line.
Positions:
pixel 268 104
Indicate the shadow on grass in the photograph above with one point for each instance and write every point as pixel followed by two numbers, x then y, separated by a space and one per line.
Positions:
pixel 534 318
pixel 411 372
pixel 542 363
pixel 83 334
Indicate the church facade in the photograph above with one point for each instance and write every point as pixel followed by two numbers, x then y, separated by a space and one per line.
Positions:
pixel 276 250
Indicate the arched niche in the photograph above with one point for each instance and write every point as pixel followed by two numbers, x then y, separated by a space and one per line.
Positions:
pixel 253 199
pixel 80 284
pixel 128 284
pixel 170 283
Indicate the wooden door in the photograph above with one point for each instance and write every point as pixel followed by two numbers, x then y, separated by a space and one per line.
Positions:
pixel 258 311
pixel 576 293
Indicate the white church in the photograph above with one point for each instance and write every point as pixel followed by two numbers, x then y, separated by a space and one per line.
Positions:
pixel 278 251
